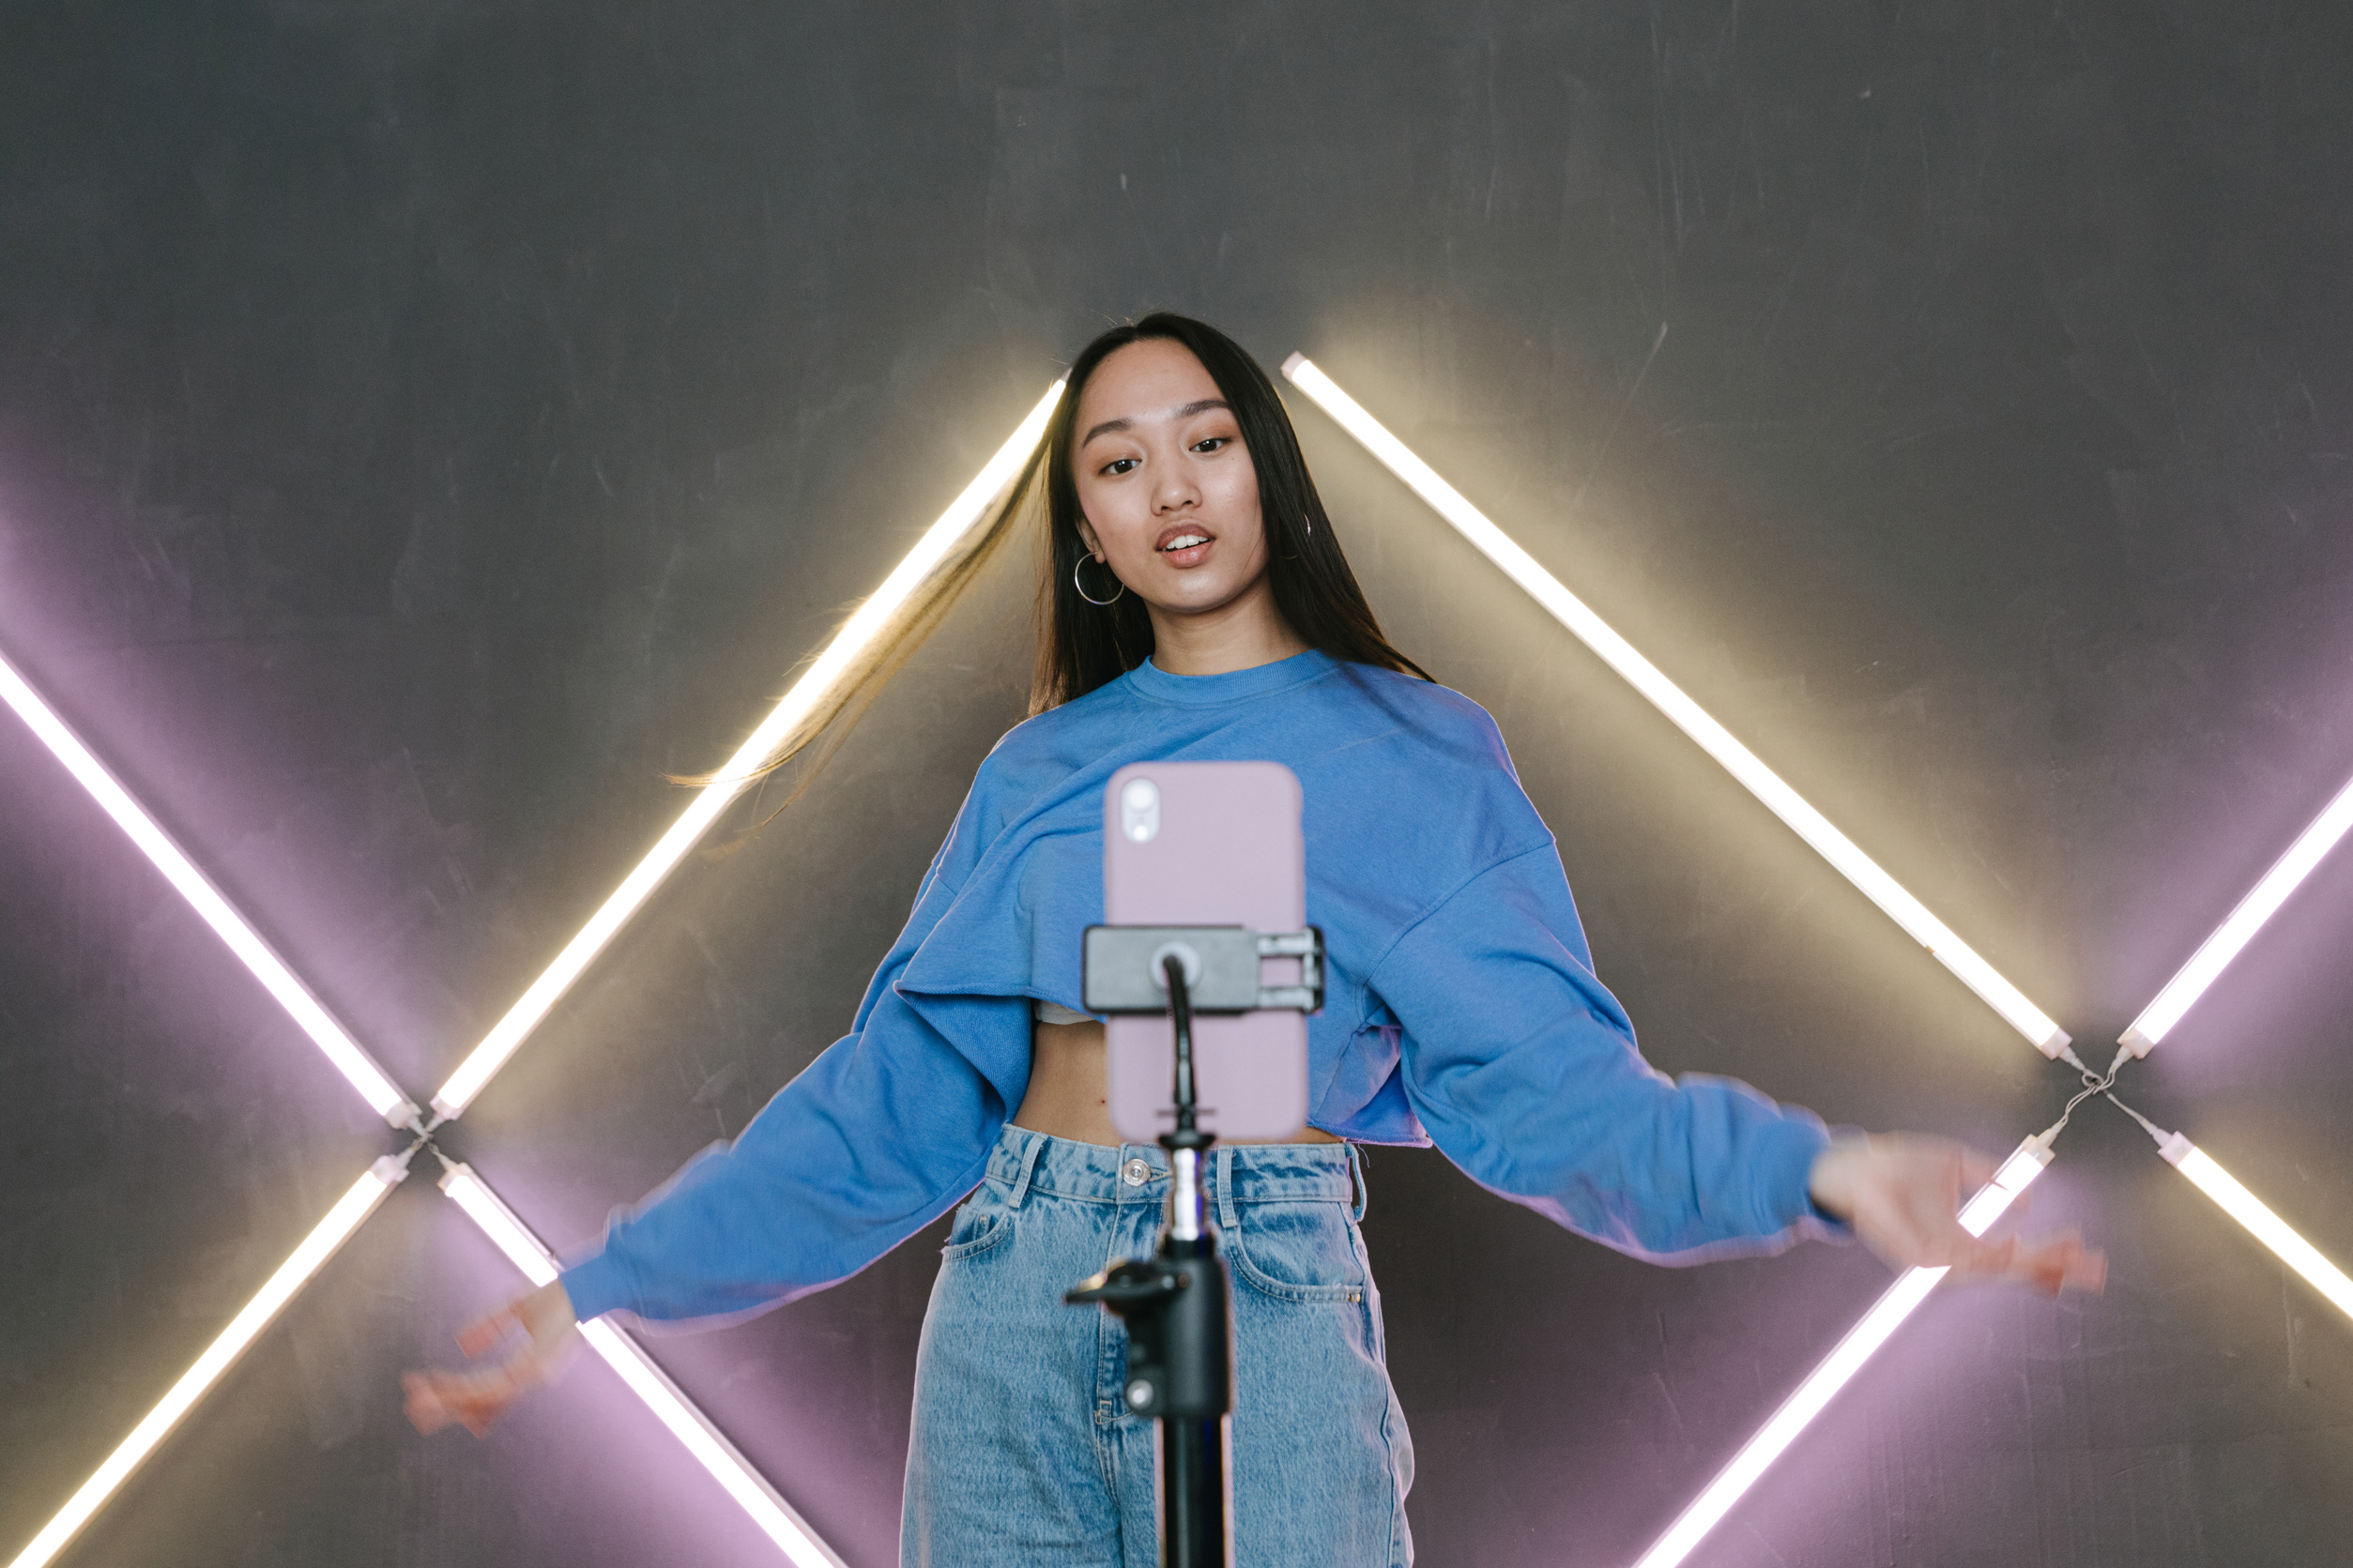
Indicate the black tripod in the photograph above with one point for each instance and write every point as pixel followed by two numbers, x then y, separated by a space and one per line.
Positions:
pixel 1180 1332
pixel 1176 1304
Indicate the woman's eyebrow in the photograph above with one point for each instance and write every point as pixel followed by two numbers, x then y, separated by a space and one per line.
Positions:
pixel 1199 406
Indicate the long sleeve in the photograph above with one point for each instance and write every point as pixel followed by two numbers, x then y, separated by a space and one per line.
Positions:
pixel 1510 1056
pixel 1524 1069
pixel 883 1133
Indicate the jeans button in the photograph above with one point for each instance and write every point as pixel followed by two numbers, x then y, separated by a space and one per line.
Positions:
pixel 1135 1173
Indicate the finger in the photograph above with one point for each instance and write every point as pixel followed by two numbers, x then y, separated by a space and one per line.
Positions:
pixel 422 1404
pixel 1972 1260
pixel 1976 1170
pixel 476 1401
pixel 472 1400
pixel 2063 1263
pixel 2045 1266
pixel 2089 1273
pixel 488 1329
pixel 480 1415
pixel 1990 1259
pixel 1952 1243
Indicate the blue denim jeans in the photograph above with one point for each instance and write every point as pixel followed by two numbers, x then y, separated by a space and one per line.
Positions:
pixel 1023 1454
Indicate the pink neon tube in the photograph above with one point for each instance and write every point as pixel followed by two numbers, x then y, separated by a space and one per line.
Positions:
pixel 1837 1369
pixel 749 1489
pixel 330 1037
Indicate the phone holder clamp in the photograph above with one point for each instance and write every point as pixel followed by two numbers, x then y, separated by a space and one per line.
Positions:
pixel 1124 970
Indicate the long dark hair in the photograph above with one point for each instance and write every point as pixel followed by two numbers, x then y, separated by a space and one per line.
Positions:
pixel 1082 646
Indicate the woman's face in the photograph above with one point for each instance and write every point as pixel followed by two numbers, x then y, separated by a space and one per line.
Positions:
pixel 1167 494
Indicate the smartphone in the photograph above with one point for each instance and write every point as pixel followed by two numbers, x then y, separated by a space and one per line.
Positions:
pixel 1209 844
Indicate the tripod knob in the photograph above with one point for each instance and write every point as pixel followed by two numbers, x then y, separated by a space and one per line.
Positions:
pixel 1140 1284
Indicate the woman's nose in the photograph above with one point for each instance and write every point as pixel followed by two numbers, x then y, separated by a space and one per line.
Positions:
pixel 1174 496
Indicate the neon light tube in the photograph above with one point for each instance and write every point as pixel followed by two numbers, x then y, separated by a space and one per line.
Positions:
pixel 316 1248
pixel 2182 992
pixel 177 869
pixel 2264 1225
pixel 1910 1290
pixel 1670 699
pixel 805 698
pixel 801 1545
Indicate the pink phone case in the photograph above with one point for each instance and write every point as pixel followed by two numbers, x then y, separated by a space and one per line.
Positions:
pixel 1221 845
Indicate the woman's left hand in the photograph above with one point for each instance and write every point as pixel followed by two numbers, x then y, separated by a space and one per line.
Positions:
pixel 1902 1192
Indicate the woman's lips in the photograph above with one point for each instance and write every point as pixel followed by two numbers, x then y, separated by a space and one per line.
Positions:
pixel 1184 545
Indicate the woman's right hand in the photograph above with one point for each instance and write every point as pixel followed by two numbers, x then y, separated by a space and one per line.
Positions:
pixel 475 1398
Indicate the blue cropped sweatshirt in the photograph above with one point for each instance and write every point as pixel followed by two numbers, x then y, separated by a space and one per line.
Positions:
pixel 1460 1005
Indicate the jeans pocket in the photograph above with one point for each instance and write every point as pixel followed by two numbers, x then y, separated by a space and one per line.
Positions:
pixel 979 1225
pixel 1298 1251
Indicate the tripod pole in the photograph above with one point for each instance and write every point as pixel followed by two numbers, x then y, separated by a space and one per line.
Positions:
pixel 1193 1493
pixel 1178 1309
pixel 1193 1498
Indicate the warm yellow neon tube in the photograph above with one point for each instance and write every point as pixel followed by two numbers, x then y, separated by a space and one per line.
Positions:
pixel 221 1354
pixel 805 698
pixel 1714 738
pixel 2255 1215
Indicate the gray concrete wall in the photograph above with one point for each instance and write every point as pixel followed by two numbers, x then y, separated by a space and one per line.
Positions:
pixel 422 425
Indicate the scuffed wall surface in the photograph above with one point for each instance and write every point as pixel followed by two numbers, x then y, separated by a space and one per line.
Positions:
pixel 423 426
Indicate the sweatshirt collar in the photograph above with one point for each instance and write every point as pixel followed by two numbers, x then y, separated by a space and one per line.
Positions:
pixel 1211 691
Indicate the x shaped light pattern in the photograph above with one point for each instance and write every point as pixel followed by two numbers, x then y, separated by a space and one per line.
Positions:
pixel 2179 993
pixel 708 1445
pixel 837 663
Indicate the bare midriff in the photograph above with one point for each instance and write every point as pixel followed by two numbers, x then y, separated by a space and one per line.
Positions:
pixel 1067 1098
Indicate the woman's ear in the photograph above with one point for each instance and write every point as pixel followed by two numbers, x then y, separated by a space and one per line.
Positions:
pixel 1086 537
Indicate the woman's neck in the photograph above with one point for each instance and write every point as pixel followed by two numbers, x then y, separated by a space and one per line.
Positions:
pixel 1241 634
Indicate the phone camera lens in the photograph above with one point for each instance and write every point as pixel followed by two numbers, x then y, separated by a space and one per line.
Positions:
pixel 1140 810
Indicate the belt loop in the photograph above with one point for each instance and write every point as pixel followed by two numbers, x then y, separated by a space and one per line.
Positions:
pixel 1033 1145
pixel 1225 1188
pixel 1356 1179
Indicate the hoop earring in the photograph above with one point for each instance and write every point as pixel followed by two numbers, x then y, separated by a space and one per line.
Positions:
pixel 1079 565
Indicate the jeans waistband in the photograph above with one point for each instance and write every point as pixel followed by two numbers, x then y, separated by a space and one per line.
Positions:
pixel 1025 1162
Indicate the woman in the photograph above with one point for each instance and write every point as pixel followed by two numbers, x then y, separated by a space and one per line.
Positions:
pixel 1199 606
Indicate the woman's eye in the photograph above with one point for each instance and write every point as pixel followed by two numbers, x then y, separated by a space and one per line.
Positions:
pixel 1119 465
pixel 1211 444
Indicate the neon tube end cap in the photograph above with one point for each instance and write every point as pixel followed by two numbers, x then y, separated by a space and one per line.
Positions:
pixel 1291 366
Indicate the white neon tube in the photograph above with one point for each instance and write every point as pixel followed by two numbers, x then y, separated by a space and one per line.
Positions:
pixel 2261 903
pixel 1909 1290
pixel 192 884
pixel 751 1491
pixel 805 698
pixel 2255 1215
pixel 1670 699
pixel 221 1354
